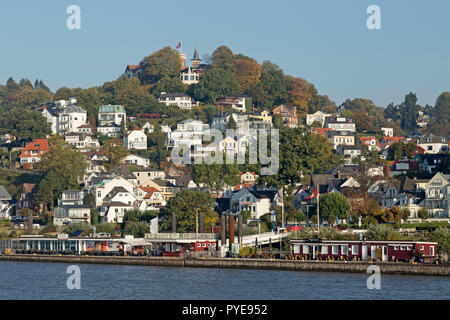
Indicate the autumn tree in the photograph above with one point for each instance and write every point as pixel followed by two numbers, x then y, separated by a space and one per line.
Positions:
pixel 248 74
pixel 298 94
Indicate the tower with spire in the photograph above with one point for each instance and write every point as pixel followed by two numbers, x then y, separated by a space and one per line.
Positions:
pixel 195 61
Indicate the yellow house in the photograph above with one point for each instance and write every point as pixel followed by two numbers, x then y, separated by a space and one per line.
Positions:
pixel 166 188
pixel 262 115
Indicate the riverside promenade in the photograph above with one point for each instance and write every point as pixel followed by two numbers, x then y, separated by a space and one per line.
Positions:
pixel 238 263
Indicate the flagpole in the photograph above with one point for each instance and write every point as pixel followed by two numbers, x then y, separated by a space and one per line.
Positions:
pixel 318 221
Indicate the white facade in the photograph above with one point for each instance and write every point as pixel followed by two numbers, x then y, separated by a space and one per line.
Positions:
pixel 137 160
pixel 180 100
pixel 112 114
pixel 318 116
pixel 136 139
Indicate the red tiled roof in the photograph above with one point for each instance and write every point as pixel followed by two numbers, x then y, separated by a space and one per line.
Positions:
pixel 322 131
pixel 133 67
pixel 241 186
pixel 366 141
pixel 36 145
pixel 149 191
pixel 391 140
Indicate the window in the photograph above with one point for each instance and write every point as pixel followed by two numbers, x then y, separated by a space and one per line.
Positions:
pixel 421 247
pixel 305 249
pixel 395 247
pixel 199 245
pixel 324 250
pixel 402 248
pixel 335 250
pixel 344 249
pixel 354 249
pixel 431 250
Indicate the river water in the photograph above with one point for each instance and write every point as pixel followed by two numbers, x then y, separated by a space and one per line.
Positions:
pixel 34 280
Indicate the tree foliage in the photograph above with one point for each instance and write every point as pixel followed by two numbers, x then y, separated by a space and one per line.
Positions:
pixel 184 205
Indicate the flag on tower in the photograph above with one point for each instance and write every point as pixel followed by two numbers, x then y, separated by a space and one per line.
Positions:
pixel 178 46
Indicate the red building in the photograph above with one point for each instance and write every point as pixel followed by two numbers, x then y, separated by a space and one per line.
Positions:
pixel 289 115
pixel 33 152
pixel 362 250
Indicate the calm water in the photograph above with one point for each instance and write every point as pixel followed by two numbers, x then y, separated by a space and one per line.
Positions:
pixel 31 280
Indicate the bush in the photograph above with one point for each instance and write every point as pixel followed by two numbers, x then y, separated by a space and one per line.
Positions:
pixel 137 229
pixel 107 227
pixel 5 223
pixel 71 228
pixel 49 228
pixel 442 237
pixel 380 232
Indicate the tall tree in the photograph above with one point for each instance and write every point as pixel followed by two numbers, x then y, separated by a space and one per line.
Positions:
pixel 333 205
pixel 224 59
pixel 185 205
pixel 114 150
pixel 213 84
pixel 165 62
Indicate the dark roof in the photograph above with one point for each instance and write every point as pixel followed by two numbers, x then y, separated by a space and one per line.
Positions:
pixel 4 194
pixel 114 192
pixel 174 94
pixel 122 171
pixel 196 55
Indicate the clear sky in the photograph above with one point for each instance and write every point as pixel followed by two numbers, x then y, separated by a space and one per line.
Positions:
pixel 324 41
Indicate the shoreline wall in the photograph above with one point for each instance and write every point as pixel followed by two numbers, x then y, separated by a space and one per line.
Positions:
pixel 266 264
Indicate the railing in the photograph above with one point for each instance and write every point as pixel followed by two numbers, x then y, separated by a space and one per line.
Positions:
pixel 180 236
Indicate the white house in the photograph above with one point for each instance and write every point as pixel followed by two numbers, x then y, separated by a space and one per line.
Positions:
pixel 136 139
pixel 318 116
pixel 340 124
pixel 257 203
pixel 180 100
pixel 149 127
pixel 433 144
pixel 109 129
pixel 249 177
pixel 137 160
pixel 81 141
pixel 6 207
pixel 112 114
pixel 102 189
pixel 387 132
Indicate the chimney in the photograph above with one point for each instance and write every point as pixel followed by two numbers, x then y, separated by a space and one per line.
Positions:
pixel 231 230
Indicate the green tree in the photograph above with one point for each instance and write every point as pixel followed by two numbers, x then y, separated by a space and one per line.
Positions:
pixel 301 153
pixel 184 205
pixel 213 84
pixel 333 205
pixel 442 236
pixel 115 151
pixel 277 120
pixel 216 176
pixel 165 62
pixel 274 84
pixel 423 213
pixel 65 161
pixel 232 123
pixel 382 232
pixel 94 216
pixel 223 58
pixel 137 229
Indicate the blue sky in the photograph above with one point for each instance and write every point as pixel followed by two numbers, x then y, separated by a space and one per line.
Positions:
pixel 324 41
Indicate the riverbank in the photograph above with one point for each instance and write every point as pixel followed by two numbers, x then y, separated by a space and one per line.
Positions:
pixel 264 264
